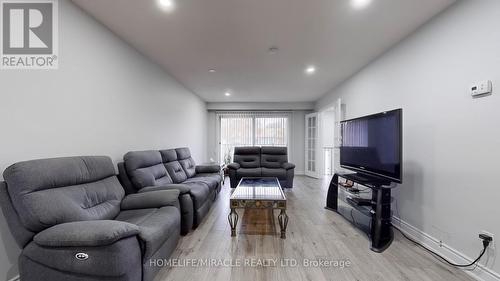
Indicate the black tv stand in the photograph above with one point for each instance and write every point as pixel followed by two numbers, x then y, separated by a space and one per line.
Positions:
pixel 371 214
pixel 366 179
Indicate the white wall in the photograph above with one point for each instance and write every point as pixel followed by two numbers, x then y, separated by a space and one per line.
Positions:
pixel 297 139
pixel 105 99
pixel 451 141
pixel 328 128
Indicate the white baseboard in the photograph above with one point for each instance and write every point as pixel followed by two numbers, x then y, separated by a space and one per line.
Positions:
pixel 15 278
pixel 300 173
pixel 481 272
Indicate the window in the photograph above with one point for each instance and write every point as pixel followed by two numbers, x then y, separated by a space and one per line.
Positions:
pixel 251 129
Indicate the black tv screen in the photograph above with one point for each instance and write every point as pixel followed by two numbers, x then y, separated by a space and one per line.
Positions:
pixel 373 145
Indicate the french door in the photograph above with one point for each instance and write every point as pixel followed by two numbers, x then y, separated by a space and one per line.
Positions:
pixel 312 138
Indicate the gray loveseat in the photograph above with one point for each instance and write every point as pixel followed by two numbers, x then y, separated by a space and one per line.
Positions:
pixel 151 170
pixel 266 161
pixel 73 222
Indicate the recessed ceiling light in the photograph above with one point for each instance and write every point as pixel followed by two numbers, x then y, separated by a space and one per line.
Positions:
pixel 211 70
pixel 227 94
pixel 360 4
pixel 167 5
pixel 310 70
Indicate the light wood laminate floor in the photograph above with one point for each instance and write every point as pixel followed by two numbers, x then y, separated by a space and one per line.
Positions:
pixel 313 234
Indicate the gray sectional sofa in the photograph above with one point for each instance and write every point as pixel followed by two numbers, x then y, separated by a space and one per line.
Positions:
pixel 266 161
pixel 173 169
pixel 73 221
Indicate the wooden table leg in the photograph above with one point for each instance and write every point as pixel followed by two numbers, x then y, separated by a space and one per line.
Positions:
pixel 283 221
pixel 233 221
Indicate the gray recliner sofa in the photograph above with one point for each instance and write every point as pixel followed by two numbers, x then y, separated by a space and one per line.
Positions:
pixel 266 161
pixel 73 222
pixel 151 170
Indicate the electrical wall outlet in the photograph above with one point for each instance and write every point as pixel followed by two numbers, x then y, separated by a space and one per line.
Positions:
pixel 481 88
pixel 492 244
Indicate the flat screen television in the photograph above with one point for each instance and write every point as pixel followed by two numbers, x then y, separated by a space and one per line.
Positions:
pixel 372 145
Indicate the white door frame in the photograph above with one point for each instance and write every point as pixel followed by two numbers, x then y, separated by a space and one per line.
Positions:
pixel 323 127
pixel 312 133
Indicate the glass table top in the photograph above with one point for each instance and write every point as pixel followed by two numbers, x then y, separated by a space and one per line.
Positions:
pixel 258 189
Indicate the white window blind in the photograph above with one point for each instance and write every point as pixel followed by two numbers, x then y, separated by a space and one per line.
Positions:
pixel 251 129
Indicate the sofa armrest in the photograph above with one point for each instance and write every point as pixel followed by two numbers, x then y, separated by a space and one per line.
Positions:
pixel 148 200
pixel 234 166
pixel 288 166
pixel 182 188
pixel 200 169
pixel 85 233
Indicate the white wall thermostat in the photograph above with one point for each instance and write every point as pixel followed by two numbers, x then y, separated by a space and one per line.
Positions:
pixel 481 88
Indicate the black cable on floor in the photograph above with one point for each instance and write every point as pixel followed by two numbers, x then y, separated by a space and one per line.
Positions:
pixel 441 257
pixel 475 262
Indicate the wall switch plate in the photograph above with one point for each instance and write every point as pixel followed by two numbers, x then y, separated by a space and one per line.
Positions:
pixel 481 88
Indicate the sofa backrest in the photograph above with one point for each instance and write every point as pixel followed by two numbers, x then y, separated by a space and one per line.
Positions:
pixel 247 156
pixel 19 232
pixel 174 168
pixel 273 157
pixel 145 168
pixel 186 161
pixel 48 192
pixel 128 186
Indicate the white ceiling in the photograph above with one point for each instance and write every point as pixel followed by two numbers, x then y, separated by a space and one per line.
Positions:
pixel 233 37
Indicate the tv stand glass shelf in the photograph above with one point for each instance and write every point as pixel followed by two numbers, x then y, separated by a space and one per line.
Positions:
pixel 366 204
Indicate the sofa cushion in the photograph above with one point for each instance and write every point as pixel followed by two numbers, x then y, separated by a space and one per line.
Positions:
pixel 176 171
pixel 247 150
pixel 211 181
pixel 152 199
pixel 273 157
pixel 47 192
pixel 214 176
pixel 288 166
pixel 248 161
pixel 145 168
pixel 150 176
pixel 183 153
pixel 234 166
pixel 174 168
pixel 110 262
pixel 189 167
pixel 168 155
pixel 124 179
pixel 182 188
pixel 247 157
pixel 199 193
pixel 187 163
pixel 85 233
pixel 155 226
pixel 246 172
pixel 274 150
pixel 208 168
pixel 19 232
pixel 278 173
